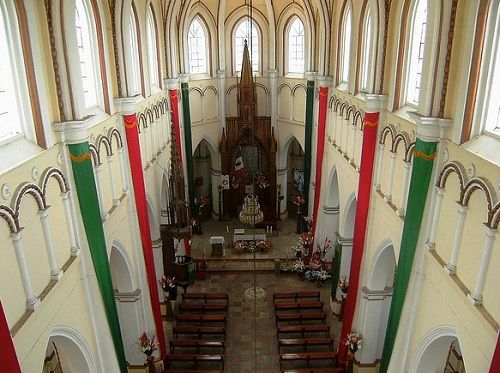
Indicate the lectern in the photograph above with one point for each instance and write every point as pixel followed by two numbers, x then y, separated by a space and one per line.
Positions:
pixel 217 243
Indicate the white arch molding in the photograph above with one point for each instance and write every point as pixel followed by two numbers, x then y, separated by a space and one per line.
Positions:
pixel 73 346
pixel 154 225
pixel 349 217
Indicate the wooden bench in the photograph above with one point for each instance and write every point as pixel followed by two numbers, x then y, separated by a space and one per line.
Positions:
pixel 202 319
pixel 305 342
pixel 298 306
pixel 297 295
pixel 315 370
pixel 195 343
pixel 205 297
pixel 308 357
pixel 199 331
pixel 186 307
pixel 300 317
pixel 302 329
pixel 194 358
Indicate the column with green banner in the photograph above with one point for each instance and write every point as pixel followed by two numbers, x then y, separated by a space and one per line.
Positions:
pixel 423 160
pixel 89 207
pixel 308 142
pixel 188 142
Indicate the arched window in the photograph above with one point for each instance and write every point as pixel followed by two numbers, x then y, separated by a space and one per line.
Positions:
pixel 415 52
pixel 154 79
pixel 197 46
pixel 242 33
pixel 14 96
pixel 134 86
pixel 296 46
pixel 346 31
pixel 367 55
pixel 87 51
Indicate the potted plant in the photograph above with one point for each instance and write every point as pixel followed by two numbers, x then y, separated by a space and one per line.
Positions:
pixel 147 346
pixel 353 343
pixel 169 286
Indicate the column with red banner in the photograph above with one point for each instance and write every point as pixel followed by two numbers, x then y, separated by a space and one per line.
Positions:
pixel 128 110
pixel 495 362
pixel 374 103
pixel 9 364
pixel 324 82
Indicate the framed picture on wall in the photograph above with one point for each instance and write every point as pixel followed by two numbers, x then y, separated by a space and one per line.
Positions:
pixel 298 180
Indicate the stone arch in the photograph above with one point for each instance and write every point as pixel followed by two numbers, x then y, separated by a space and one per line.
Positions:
pixel 75 352
pixel 349 217
pixel 154 225
pixel 333 199
pixel 283 154
pixel 383 267
pixel 121 268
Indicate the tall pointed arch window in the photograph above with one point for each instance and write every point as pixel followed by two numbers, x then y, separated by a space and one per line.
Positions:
pixel 242 32
pixel 367 55
pixel 87 52
pixel 415 52
pixel 197 46
pixel 134 82
pixel 345 52
pixel 154 78
pixel 296 46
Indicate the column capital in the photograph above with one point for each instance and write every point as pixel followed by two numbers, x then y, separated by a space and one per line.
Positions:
pixel 429 128
pixel 272 73
pixel 325 81
pixel 73 132
pixel 375 103
pixel 221 74
pixel 184 78
pixel 310 75
pixel 172 83
pixel 127 105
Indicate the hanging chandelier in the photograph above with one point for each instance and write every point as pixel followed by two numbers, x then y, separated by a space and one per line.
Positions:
pixel 251 213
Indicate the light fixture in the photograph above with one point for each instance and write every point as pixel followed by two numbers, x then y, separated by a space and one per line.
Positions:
pixel 251 213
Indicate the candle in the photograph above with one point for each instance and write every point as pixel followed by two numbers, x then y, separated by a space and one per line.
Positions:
pixel 271 229
pixel 227 228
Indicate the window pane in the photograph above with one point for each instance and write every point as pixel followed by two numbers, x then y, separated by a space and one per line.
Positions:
pixel 416 52
pixel 135 86
pixel 493 99
pixel 241 34
pixel 197 48
pixel 86 50
pixel 296 47
pixel 367 55
pixel 10 109
pixel 346 46
pixel 152 53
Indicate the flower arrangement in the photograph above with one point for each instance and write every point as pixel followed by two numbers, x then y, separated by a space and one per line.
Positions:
pixel 240 246
pixel 298 200
pixel 147 345
pixel 354 341
pixel 306 238
pixel 264 245
pixel 201 201
pixel 262 182
pixel 343 284
pixel 194 222
pixel 309 220
pixel 299 266
pixel 167 282
pixel 323 275
pixel 327 246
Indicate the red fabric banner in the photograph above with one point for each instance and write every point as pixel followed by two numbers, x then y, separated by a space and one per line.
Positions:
pixel 173 94
pixel 495 363
pixel 134 154
pixel 320 148
pixel 9 363
pixel 371 121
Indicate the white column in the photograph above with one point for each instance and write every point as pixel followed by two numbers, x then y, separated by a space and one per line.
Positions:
pixel 55 271
pixel 123 169
pixel 75 249
pixel 215 175
pixel 345 122
pixel 97 172
pixel 404 191
pixel 353 143
pixel 392 168
pixel 340 123
pixel 477 295
pixel 380 158
pixel 116 197
pixel 451 267
pixel 147 155
pixel 273 87
pixel 438 192
pixel 32 302
pixel 221 79
pixel 282 176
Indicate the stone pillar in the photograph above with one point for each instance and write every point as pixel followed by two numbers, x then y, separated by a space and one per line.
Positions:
pixel 221 80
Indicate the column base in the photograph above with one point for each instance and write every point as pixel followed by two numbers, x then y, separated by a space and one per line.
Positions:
pixel 430 245
pixel 475 299
pixel 75 251
pixel 33 303
pixel 57 276
pixel 450 269
pixel 400 212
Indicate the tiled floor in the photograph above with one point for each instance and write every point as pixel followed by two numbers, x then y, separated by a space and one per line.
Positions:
pixel 251 344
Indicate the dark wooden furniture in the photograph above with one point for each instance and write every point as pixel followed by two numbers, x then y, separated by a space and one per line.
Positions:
pixel 205 297
pixel 297 306
pixel 203 308
pixel 194 358
pixel 301 317
pixel 297 296
pixel 303 329
pixel 305 342
pixel 199 331
pixel 315 370
pixel 308 357
pixel 195 343
pixel 202 319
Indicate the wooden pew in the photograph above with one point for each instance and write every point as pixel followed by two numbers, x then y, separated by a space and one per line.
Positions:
pixel 305 342
pixel 196 343
pixel 302 329
pixel 297 295
pixel 297 306
pixel 199 331
pixel 202 319
pixel 314 370
pixel 194 358
pixel 205 297
pixel 300 317
pixel 308 357
pixel 214 307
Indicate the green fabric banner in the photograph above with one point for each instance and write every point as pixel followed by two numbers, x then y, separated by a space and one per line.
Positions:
pixel 189 148
pixel 337 260
pixel 308 148
pixel 423 159
pixel 89 207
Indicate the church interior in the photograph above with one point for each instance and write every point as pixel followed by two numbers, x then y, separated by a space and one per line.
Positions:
pixel 249 186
